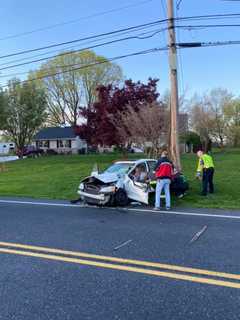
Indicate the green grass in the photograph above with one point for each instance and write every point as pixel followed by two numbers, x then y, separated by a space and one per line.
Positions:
pixel 226 180
pixel 58 177
pixel 53 177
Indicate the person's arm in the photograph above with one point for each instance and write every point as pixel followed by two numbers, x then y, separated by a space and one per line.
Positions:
pixel 200 168
pixel 172 173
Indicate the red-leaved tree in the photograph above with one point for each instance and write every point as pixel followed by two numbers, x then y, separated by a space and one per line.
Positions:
pixel 99 129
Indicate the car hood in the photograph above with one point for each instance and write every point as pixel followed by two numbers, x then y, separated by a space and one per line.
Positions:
pixel 107 177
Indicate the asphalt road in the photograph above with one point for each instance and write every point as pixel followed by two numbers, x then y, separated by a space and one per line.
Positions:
pixel 69 262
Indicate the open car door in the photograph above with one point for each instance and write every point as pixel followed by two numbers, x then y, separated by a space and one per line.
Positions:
pixel 137 190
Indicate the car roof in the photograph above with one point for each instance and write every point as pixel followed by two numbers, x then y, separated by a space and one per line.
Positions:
pixel 134 161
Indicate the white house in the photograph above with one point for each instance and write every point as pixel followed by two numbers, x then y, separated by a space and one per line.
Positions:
pixel 6 147
pixel 59 139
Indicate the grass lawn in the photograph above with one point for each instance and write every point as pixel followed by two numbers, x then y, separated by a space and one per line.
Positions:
pixel 57 177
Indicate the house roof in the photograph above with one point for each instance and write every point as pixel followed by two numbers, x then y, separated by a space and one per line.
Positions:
pixel 53 133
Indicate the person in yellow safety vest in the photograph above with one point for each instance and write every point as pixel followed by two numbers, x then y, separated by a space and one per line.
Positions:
pixel 205 170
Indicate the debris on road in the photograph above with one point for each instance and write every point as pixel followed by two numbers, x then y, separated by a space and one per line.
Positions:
pixel 198 234
pixel 122 245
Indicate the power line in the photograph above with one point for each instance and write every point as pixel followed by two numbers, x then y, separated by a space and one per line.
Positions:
pixel 211 16
pixel 102 13
pixel 179 4
pixel 61 50
pixel 65 65
pixel 220 43
pixel 179 45
pixel 189 45
pixel 153 50
pixel 189 27
pixel 201 17
pixel 203 26
pixel 179 51
pixel 82 39
pixel 129 29
pixel 86 48
pixel 164 8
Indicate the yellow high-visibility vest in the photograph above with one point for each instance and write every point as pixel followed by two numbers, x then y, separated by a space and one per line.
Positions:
pixel 205 162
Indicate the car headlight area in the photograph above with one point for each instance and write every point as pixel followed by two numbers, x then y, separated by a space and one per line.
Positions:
pixel 81 186
pixel 109 189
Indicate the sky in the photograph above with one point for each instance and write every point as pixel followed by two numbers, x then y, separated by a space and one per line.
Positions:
pixel 200 69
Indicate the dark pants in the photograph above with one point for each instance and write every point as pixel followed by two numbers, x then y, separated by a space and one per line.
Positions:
pixel 178 186
pixel 207 181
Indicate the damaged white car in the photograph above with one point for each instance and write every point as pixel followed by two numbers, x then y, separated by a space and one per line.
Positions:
pixel 122 182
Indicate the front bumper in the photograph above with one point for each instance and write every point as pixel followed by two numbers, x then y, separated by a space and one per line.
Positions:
pixel 100 199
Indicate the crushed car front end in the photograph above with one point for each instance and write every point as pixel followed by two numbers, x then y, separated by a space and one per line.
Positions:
pixel 94 191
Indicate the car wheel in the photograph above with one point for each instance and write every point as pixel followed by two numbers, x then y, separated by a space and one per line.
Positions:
pixel 121 198
pixel 112 201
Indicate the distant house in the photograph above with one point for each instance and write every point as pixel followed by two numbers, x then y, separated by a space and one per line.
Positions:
pixel 59 139
pixel 6 147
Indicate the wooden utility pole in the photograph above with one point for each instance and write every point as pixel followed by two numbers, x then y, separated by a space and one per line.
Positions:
pixel 174 105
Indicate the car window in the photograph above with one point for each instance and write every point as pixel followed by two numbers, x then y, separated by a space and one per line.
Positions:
pixel 139 173
pixel 119 168
pixel 151 165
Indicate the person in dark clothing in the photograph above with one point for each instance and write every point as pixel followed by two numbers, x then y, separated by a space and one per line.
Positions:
pixel 205 170
pixel 179 185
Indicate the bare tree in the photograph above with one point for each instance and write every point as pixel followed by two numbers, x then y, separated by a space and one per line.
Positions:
pixel 201 121
pixel 232 118
pixel 146 126
pixel 208 117
pixel 215 102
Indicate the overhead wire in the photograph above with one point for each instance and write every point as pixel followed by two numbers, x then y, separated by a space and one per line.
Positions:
pixel 201 17
pixel 63 49
pixel 164 8
pixel 179 45
pixel 179 55
pixel 178 4
pixel 189 45
pixel 139 37
pixel 127 30
pixel 92 64
pixel 82 39
pixel 211 17
pixel 204 26
pixel 64 23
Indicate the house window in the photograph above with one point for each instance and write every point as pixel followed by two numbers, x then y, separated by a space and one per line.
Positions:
pixel 39 144
pixel 68 144
pixel 60 144
pixel 46 144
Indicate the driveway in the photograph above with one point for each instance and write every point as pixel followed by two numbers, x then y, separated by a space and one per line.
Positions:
pixel 8 158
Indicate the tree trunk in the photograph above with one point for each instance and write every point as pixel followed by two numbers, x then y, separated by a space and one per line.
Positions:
pixel 221 143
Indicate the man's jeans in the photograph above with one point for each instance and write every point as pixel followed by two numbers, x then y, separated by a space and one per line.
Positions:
pixel 163 184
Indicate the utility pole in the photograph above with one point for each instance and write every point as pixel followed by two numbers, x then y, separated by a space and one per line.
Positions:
pixel 174 104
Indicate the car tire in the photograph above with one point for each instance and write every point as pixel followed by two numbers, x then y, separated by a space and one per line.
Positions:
pixel 112 201
pixel 121 198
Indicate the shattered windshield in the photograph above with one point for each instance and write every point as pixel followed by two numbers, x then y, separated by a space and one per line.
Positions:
pixel 119 168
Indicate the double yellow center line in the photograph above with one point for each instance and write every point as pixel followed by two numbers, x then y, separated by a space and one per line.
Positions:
pixel 138 266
